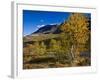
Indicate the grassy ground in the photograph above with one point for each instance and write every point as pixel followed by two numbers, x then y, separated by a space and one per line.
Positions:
pixel 51 62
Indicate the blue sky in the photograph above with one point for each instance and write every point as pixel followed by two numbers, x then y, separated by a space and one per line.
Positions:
pixel 33 20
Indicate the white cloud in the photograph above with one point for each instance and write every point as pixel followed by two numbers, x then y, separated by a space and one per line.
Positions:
pixel 55 24
pixel 39 26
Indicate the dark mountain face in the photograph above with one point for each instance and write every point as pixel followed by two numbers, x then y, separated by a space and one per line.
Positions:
pixel 47 29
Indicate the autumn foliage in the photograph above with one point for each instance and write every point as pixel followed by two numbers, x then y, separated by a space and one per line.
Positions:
pixel 69 48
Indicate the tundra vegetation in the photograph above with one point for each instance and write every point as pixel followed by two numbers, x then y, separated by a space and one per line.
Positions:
pixel 69 48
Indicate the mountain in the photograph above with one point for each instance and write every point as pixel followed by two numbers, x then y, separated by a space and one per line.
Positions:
pixel 46 29
pixel 46 32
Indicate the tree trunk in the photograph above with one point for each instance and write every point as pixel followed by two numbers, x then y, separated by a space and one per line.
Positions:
pixel 72 52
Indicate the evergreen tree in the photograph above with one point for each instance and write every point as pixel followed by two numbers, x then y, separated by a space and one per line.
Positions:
pixel 54 45
pixel 42 48
pixel 37 48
